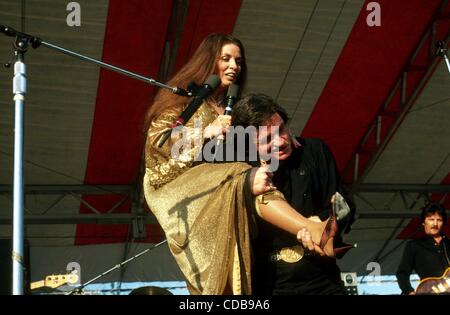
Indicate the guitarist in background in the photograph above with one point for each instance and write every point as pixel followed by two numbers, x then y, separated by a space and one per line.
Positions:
pixel 428 255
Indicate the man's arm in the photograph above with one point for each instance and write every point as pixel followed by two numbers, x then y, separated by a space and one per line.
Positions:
pixel 405 268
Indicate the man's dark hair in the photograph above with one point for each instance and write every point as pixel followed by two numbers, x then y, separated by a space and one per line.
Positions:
pixel 433 208
pixel 255 109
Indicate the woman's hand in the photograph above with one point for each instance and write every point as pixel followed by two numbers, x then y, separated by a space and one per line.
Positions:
pixel 218 127
pixel 261 180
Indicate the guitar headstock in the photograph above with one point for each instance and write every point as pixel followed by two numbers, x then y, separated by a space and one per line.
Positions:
pixel 54 281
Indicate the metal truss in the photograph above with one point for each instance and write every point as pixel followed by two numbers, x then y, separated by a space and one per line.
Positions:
pixel 138 217
pixel 410 195
pixel 73 189
pixel 410 83
pixel 406 188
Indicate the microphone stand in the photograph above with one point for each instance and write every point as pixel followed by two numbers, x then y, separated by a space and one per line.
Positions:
pixel 442 52
pixel 19 91
pixel 21 43
pixel 79 289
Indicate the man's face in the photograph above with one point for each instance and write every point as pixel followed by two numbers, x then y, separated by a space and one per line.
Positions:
pixel 433 224
pixel 275 138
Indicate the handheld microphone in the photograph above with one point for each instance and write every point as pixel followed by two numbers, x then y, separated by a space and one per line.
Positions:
pixel 231 97
pixel 208 87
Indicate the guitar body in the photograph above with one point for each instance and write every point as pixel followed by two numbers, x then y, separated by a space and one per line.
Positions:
pixel 439 285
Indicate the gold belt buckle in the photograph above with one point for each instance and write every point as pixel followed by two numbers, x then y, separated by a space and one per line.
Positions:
pixel 291 254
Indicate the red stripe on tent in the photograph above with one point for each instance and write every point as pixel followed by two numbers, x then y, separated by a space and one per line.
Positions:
pixel 369 65
pixel 413 229
pixel 134 40
pixel 205 17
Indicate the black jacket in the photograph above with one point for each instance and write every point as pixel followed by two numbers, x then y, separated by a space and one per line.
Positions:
pixel 308 179
pixel 424 256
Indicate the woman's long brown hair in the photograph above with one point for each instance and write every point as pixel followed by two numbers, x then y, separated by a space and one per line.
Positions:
pixel 201 65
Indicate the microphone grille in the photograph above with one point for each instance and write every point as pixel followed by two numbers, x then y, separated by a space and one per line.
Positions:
pixel 213 81
pixel 233 90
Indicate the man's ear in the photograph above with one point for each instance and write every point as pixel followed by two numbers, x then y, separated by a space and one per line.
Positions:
pixel 294 140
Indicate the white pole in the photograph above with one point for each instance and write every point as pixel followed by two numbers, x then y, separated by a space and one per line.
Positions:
pixel 19 89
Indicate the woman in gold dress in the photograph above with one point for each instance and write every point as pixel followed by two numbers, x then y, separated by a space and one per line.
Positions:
pixel 207 210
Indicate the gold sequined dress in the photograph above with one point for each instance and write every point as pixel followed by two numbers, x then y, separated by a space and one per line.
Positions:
pixel 201 208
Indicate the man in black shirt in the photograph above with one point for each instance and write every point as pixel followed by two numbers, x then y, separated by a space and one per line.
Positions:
pixel 428 255
pixel 308 177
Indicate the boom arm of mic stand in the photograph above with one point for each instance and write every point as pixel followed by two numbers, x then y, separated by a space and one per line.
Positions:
pixel 36 42
pixel 175 90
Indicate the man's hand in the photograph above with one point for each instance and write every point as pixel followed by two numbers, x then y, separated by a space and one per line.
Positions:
pixel 304 237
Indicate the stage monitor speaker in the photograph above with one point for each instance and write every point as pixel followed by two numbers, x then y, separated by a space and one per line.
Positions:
pixel 350 282
pixel 6 267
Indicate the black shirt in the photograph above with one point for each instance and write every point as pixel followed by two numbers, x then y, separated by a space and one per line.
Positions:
pixel 308 179
pixel 426 257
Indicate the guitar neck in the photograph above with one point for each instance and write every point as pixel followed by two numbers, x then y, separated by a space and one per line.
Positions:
pixel 37 284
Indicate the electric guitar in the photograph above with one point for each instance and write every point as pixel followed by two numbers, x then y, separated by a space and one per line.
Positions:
pixel 54 281
pixel 435 285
